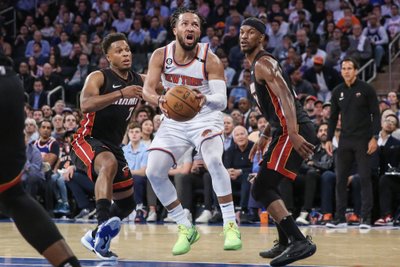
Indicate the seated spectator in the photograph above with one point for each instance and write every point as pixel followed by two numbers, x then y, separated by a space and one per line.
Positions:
pixel 35 70
pixel 37 38
pixel 157 33
pixel 392 24
pixel 38 97
pixel 379 39
pixel 31 130
pixel 51 80
pixel 281 52
pixel 312 51
pixel 303 88
pixel 136 155
pixel 389 161
pixel 63 167
pixel 334 43
pixel 361 44
pixel 47 112
pixel 32 175
pixel 237 117
pixel 70 122
pixel 122 24
pixel 26 77
pixel 37 115
pixel 59 130
pixel 228 71
pixel 322 78
pixel 236 161
pixel 75 85
pixel 240 91
pixel 347 21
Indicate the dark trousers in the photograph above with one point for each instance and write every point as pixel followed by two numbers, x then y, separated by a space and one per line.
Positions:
pixel 140 188
pixel 389 187
pixel 350 151
pixel 82 189
pixel 243 185
pixel 188 184
pixel 328 180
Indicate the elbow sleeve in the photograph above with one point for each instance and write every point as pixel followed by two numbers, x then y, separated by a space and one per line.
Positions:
pixel 217 100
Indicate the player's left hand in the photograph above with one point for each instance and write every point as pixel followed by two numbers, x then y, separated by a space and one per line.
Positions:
pixel 69 172
pixel 304 148
pixel 200 96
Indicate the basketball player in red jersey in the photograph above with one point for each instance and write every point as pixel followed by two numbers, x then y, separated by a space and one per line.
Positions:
pixel 187 62
pixel 292 141
pixel 31 219
pixel 108 98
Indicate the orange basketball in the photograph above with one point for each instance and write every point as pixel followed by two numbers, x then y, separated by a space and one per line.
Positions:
pixel 182 104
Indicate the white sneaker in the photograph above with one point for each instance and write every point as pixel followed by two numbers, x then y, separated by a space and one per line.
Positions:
pixel 131 217
pixel 302 219
pixel 204 217
pixel 152 216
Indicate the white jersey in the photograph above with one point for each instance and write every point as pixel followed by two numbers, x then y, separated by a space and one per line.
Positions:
pixel 192 74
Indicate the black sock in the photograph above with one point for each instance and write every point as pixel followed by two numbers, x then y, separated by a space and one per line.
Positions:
pixel 103 210
pixel 290 228
pixel 73 262
pixel 283 240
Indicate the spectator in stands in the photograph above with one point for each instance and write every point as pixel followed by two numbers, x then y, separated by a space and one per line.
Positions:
pixel 237 117
pixel 47 112
pixel 322 26
pixel 244 106
pixel 389 161
pixel 31 130
pixel 322 78
pixel 300 23
pixel 26 77
pixel 236 160
pixel 379 39
pixel 294 15
pixel 229 72
pixel 59 130
pixel 65 46
pixel 136 155
pixel 37 115
pixel 292 61
pixel 347 21
pixel 157 33
pixel 59 107
pixel 75 85
pixel 122 24
pixel 334 43
pixel 32 176
pixel 392 24
pixel 275 36
pixel 70 123
pixel 215 43
pixel 50 79
pixel 319 168
pixel 326 111
pixel 38 97
pixel 230 39
pixel 312 51
pixel 48 146
pixel 301 41
pixel 147 131
pixel 34 69
pixel 253 136
pixel 137 34
pixel 335 58
pixel 302 87
pixel 20 43
pixel 360 44
pixel 37 38
pixel 239 91
pixel 227 132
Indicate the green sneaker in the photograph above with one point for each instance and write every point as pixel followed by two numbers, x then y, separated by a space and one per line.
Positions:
pixel 187 236
pixel 232 237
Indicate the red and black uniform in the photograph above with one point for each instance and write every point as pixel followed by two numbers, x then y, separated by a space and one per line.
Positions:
pixel 280 156
pixel 104 129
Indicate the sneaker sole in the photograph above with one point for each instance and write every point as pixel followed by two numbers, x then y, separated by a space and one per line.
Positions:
pixel 114 224
pixel 304 255
pixel 236 247
pixel 86 244
pixel 340 225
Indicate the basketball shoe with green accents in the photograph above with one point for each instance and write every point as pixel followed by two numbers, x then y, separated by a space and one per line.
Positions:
pixel 187 236
pixel 232 237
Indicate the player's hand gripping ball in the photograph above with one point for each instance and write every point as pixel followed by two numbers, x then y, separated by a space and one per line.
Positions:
pixel 181 103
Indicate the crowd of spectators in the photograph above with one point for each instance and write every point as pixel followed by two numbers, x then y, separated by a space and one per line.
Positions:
pixel 58 43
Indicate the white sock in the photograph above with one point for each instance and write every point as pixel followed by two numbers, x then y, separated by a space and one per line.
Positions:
pixel 179 216
pixel 228 212
pixel 139 206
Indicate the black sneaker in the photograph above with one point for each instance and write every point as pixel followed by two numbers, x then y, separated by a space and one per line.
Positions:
pixel 297 250
pixel 365 223
pixel 275 251
pixel 337 223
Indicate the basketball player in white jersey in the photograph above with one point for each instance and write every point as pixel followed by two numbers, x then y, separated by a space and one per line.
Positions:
pixel 187 62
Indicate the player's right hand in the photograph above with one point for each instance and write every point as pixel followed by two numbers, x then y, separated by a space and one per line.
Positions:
pixel 161 101
pixel 132 91
pixel 329 148
pixel 259 146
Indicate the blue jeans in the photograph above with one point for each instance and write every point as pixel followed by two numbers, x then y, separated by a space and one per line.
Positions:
pixel 328 181
pixel 61 191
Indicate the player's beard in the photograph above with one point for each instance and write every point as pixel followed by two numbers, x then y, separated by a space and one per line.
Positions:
pixel 188 47
pixel 249 50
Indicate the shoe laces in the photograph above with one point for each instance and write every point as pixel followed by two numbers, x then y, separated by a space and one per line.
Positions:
pixel 231 227
pixel 183 230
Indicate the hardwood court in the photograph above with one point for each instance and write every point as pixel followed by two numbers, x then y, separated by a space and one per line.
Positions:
pixel 153 242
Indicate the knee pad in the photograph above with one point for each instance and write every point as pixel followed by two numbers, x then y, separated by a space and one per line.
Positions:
pixel 123 207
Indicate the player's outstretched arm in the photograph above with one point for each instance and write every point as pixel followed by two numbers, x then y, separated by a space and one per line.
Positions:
pixel 217 100
pixel 153 77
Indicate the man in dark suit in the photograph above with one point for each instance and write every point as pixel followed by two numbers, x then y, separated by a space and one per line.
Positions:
pixel 322 78
pixel 389 182
pixel 38 97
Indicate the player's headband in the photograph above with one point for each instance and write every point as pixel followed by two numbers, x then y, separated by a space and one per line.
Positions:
pixel 256 24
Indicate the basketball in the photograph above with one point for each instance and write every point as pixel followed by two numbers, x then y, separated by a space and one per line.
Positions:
pixel 182 104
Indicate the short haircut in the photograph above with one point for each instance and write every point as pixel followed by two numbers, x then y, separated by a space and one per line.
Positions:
pixel 175 16
pixel 111 38
pixel 350 59
pixel 134 125
pixel 46 120
pixel 394 116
